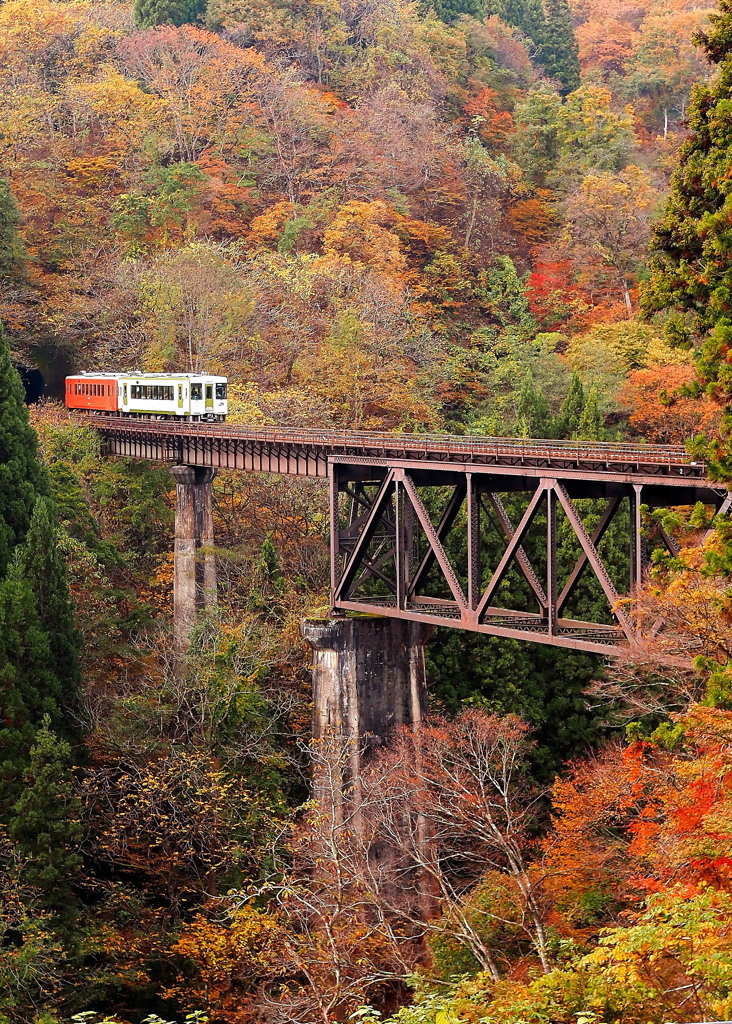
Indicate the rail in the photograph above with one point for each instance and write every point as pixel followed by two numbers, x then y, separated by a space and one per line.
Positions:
pixel 421 445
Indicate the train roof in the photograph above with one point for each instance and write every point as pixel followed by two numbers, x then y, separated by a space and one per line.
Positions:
pixel 144 376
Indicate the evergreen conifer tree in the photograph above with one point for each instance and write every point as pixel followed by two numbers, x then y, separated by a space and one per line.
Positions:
pixel 43 567
pixel 29 689
pixel 268 583
pixel 269 567
pixel 558 51
pixel 38 666
pixel 532 409
pixel 691 249
pixel 11 258
pixel 570 414
pixel 22 478
pixel 45 825
pixel 149 13
pixel 526 15
pixel 589 427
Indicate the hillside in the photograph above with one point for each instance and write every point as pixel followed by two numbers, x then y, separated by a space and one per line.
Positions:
pixel 503 218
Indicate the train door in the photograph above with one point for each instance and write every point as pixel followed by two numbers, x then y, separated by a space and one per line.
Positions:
pixel 180 397
pixel 209 396
pixel 124 395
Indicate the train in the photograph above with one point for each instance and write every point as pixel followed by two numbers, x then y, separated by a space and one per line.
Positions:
pixel 180 396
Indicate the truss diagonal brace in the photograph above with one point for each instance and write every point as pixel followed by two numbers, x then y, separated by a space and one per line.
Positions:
pixel 447 519
pixel 513 545
pixel 521 558
pixel 597 534
pixel 671 543
pixel 365 536
pixel 357 498
pixel 434 541
pixel 594 559
pixel 724 510
pixel 374 569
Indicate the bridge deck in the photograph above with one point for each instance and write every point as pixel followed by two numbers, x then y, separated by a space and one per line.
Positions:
pixel 308 452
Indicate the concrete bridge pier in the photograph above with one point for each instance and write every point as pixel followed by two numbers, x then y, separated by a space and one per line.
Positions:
pixel 368 679
pixel 194 566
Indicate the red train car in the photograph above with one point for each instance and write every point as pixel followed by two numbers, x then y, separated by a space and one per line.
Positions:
pixel 89 392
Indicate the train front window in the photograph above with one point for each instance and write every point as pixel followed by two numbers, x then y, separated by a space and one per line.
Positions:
pixel 221 391
pixel 196 392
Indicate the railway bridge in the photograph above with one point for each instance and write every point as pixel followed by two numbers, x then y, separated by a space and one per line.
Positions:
pixel 401 506
pixel 395 499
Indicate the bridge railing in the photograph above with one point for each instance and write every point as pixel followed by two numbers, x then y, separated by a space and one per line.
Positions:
pixel 418 444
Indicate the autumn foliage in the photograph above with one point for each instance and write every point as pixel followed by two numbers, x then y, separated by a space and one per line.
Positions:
pixel 372 216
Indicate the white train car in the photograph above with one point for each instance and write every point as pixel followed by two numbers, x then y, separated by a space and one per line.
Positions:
pixel 192 396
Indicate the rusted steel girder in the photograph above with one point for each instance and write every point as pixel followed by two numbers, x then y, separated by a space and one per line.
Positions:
pixel 391 555
pixel 308 452
pixel 387 551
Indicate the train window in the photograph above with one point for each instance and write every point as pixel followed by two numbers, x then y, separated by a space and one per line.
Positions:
pixel 196 392
pixel 153 392
pixel 221 391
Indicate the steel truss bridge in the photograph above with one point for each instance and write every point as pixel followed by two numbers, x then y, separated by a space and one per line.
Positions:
pixel 493 535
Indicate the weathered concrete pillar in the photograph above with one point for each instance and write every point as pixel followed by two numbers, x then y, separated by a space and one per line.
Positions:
pixel 194 571
pixel 368 679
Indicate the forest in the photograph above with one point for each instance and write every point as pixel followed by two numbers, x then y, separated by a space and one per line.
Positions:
pixel 482 217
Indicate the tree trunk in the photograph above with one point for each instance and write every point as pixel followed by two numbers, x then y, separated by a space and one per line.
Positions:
pixel 626 297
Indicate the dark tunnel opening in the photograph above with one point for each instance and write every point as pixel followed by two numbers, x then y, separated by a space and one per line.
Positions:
pixel 43 372
pixel 33 382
